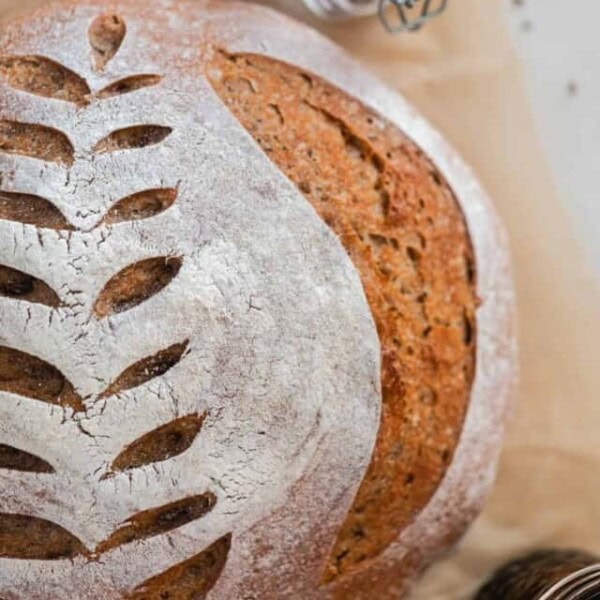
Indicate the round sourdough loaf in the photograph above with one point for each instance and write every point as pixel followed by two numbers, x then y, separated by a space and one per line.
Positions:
pixel 255 315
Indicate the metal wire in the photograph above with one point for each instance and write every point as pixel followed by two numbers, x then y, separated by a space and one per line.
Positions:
pixel 396 15
pixel 407 18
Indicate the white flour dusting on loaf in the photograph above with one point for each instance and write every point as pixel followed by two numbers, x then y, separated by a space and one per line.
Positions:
pixel 189 368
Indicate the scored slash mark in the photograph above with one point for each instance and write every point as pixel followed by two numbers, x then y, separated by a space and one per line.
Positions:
pixel 135 284
pixel 163 443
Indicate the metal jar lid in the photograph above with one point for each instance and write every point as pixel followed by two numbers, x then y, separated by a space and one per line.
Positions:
pixel 581 585
pixel 555 574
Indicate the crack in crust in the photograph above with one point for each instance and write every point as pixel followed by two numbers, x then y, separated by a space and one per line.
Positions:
pixel 189 580
pixel 163 443
pixel 405 233
pixel 160 520
pixel 32 210
pixel 129 138
pixel 146 369
pixel 14 459
pixel 32 377
pixel 141 205
pixel 29 538
pixel 18 285
pixel 41 76
pixel 36 141
pixel 136 284
pixel 128 85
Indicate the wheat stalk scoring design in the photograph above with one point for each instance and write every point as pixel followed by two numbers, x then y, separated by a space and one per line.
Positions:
pixel 28 537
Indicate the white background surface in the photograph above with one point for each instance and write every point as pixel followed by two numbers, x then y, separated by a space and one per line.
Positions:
pixel 559 43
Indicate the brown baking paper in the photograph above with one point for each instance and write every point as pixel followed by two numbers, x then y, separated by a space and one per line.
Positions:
pixel 462 73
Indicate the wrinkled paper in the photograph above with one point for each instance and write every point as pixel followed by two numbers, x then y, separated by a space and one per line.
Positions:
pixel 462 73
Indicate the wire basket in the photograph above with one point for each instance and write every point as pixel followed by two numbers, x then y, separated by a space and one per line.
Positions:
pixel 396 15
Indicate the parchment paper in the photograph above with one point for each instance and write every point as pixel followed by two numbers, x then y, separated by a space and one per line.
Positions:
pixel 461 72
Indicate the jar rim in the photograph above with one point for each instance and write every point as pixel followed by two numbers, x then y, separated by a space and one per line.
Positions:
pixel 343 8
pixel 575 586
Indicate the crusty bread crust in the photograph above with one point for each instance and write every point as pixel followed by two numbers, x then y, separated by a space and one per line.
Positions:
pixel 404 232
pixel 198 475
pixel 459 497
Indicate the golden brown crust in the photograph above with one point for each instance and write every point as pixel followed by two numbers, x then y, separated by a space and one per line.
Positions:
pixel 405 233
